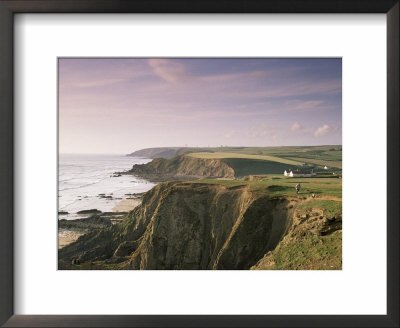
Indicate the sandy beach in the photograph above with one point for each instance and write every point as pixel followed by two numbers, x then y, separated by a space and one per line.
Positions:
pixel 127 205
pixel 66 237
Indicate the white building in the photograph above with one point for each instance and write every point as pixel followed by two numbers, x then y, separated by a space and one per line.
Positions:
pixel 325 167
pixel 288 174
pixel 298 173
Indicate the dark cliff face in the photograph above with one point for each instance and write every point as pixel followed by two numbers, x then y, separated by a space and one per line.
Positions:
pixel 207 227
pixel 182 168
pixel 190 226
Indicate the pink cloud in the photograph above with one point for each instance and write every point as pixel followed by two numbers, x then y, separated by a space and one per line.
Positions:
pixel 304 105
pixel 296 127
pixel 168 70
pixel 231 134
pixel 324 130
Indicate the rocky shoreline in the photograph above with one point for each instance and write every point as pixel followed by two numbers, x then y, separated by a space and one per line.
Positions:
pixel 70 230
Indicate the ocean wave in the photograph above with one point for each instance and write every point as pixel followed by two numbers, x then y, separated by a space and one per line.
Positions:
pixel 99 176
pixel 84 185
pixel 88 176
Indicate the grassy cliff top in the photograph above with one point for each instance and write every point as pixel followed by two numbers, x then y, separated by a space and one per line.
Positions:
pixel 223 155
pixel 278 185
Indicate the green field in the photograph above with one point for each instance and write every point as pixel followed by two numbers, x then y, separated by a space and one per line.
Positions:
pixel 331 207
pixel 245 166
pixel 320 162
pixel 221 155
pixel 319 156
pixel 328 152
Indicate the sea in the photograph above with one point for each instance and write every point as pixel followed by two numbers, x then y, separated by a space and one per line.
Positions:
pixel 89 182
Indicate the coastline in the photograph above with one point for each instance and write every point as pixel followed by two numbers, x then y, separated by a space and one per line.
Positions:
pixel 91 182
pixel 127 205
pixel 67 236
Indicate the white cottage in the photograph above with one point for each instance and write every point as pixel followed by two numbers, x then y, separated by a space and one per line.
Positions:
pixel 288 174
pixel 299 173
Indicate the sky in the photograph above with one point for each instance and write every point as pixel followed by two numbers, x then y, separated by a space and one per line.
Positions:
pixel 125 104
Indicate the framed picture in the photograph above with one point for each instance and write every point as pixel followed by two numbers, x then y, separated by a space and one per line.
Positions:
pixel 186 169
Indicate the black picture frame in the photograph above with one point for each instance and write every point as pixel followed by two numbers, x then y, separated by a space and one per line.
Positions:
pixel 10 7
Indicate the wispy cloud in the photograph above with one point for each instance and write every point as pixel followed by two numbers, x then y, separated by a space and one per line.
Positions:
pixel 305 105
pixel 168 70
pixel 291 89
pixel 231 134
pixel 97 83
pixel 324 130
pixel 296 127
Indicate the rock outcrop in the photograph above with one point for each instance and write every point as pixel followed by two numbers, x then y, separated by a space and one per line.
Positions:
pixel 182 168
pixel 93 222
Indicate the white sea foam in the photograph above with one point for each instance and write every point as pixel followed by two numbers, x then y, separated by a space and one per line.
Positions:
pixel 82 178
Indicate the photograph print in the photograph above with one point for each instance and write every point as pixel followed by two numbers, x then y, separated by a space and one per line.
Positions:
pixel 200 164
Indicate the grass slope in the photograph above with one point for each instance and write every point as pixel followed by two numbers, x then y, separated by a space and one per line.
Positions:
pixel 220 155
pixel 330 207
pixel 311 252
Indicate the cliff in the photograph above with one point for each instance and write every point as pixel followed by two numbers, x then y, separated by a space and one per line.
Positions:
pixel 183 225
pixel 182 168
